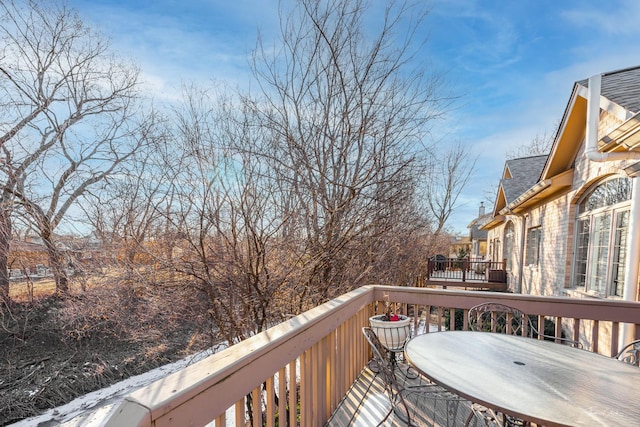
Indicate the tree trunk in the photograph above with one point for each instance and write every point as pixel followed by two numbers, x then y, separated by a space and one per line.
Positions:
pixel 5 239
pixel 56 260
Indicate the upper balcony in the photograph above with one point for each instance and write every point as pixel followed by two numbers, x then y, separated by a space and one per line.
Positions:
pixel 320 353
pixel 466 273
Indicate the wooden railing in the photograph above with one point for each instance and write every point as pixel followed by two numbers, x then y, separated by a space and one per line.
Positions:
pixel 297 372
pixel 477 274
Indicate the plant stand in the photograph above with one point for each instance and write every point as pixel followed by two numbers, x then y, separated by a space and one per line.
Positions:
pixel 392 335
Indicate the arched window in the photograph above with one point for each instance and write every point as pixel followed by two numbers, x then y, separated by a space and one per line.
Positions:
pixel 601 238
pixel 509 237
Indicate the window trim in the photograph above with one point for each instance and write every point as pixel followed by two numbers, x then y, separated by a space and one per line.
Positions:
pixel 615 210
pixel 533 252
pixel 509 244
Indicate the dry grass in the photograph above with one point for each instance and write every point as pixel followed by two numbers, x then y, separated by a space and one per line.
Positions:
pixel 55 349
pixel 27 290
pixel 22 291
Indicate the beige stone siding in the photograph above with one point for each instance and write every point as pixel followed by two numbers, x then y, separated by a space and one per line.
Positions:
pixel 547 278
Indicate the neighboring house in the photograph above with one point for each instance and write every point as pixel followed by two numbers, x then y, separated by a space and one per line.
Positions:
pixel 459 245
pixel 569 224
pixel 505 237
pixel 27 259
pixel 478 235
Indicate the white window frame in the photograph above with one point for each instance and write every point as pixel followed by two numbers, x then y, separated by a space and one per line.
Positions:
pixel 509 244
pixel 533 247
pixel 599 266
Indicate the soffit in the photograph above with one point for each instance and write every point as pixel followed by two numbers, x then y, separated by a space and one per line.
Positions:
pixel 570 136
pixel 495 221
pixel 540 192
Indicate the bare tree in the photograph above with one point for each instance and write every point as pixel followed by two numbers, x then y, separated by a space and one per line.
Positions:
pixel 280 200
pixel 539 145
pixel 223 215
pixel 344 112
pixel 125 211
pixel 65 117
pixel 448 174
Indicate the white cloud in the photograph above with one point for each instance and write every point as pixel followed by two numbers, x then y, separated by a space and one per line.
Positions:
pixel 199 41
pixel 618 18
pixel 513 62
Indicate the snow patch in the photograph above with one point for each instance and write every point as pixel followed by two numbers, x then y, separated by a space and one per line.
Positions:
pixel 95 408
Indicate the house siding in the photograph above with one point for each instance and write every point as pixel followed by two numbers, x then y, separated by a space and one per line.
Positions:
pixel 556 213
pixel 556 217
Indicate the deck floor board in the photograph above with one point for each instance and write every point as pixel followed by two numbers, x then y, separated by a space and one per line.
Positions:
pixel 366 404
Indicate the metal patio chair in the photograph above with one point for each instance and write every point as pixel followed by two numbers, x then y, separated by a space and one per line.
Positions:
pixel 630 353
pixel 399 395
pixel 501 318
pixel 498 318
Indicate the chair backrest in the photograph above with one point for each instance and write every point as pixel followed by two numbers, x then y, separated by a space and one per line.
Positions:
pixel 385 369
pixel 500 318
pixel 630 353
pixel 382 359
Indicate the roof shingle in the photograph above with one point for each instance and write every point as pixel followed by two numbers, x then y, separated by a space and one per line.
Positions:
pixel 621 87
pixel 525 173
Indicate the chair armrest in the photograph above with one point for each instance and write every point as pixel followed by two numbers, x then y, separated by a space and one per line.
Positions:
pixel 561 340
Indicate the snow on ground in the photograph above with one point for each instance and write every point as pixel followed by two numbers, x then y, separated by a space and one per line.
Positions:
pixel 95 408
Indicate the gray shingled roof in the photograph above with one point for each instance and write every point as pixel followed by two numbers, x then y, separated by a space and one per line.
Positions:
pixel 476 232
pixel 525 173
pixel 621 87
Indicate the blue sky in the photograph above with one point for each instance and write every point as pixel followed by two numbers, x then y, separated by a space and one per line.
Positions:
pixel 512 62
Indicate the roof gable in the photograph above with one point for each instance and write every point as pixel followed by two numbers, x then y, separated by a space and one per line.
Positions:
pixel 519 175
pixel 524 173
pixel 619 96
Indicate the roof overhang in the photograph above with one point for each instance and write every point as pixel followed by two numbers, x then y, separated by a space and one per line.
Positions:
pixel 570 132
pixel 495 221
pixel 626 137
pixel 539 192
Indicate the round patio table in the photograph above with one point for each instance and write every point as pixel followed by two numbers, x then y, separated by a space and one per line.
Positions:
pixel 538 381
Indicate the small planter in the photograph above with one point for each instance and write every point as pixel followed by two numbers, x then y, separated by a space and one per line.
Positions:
pixel 392 334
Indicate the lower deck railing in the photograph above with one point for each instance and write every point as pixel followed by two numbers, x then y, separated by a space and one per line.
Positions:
pixel 465 270
pixel 297 372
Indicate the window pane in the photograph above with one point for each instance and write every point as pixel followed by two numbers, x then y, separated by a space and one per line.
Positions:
pixel 619 253
pixel 599 253
pixel 582 246
pixel 606 194
pixel 533 245
pixel 508 243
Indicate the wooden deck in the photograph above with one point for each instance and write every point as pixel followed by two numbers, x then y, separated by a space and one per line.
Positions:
pixel 322 353
pixel 366 405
